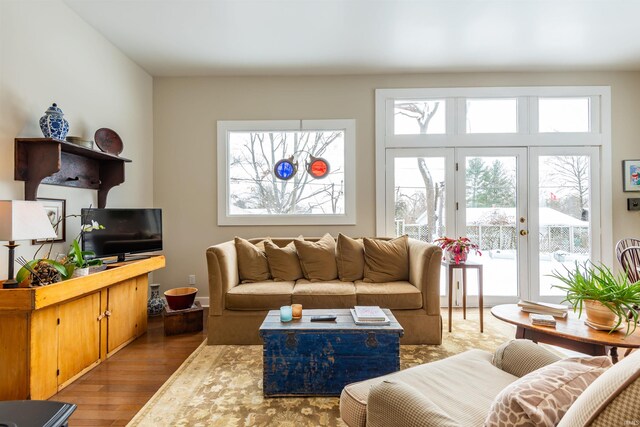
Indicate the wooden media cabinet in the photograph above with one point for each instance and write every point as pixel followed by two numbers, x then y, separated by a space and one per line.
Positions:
pixel 51 335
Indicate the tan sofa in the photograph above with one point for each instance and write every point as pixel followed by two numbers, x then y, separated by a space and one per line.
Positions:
pixel 462 390
pixel 237 310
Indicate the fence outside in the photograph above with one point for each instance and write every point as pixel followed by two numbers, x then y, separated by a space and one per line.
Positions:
pixel 553 238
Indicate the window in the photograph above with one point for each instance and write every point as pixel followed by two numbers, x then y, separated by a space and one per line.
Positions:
pixel 286 172
pixel 419 117
pixel 564 114
pixel 522 171
pixel 492 116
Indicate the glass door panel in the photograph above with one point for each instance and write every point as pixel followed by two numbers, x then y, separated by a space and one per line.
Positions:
pixel 418 184
pixel 565 225
pixel 492 212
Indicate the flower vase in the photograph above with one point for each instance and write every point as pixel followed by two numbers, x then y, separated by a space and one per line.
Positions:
pixel 450 257
pixel 53 124
pixel 80 272
pixel 156 303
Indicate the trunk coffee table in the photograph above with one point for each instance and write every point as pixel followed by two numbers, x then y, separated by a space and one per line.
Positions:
pixel 570 333
pixel 304 358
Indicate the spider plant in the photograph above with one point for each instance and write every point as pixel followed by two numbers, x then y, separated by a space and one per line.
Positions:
pixel 589 281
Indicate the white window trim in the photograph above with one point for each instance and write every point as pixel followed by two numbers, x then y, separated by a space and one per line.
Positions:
pixel 348 218
pixel 527 135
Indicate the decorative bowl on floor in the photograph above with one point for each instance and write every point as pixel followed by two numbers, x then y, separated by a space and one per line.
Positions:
pixel 181 298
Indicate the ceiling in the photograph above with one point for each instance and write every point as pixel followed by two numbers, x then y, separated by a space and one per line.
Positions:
pixel 310 37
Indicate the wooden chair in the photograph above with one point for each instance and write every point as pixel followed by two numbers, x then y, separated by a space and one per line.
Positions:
pixel 628 254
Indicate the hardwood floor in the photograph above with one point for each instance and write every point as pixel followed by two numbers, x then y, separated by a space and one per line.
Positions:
pixel 113 392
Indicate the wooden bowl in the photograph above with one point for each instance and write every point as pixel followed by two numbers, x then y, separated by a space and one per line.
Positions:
pixel 181 298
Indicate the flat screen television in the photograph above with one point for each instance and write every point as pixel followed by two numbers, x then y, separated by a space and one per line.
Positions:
pixel 126 231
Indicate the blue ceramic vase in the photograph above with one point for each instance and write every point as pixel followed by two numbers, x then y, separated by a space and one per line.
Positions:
pixel 156 303
pixel 53 124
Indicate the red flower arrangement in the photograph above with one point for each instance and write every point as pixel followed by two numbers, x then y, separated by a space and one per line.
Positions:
pixel 457 249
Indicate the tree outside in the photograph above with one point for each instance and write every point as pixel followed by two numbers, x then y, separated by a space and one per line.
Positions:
pixel 254 189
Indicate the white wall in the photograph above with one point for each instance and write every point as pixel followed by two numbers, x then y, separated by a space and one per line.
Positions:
pixel 48 54
pixel 186 111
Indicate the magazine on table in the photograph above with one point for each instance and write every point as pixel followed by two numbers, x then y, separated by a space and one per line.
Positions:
pixel 370 312
pixel 557 310
pixel 359 321
pixel 542 319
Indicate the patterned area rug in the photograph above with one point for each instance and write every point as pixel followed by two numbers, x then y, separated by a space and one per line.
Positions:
pixel 222 385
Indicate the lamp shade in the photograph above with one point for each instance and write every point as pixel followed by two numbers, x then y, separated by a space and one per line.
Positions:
pixel 24 220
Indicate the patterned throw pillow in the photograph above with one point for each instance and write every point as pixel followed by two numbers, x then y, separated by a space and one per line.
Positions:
pixel 542 397
pixel 252 261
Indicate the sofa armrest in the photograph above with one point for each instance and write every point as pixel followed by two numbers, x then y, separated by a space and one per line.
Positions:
pixel 424 273
pixel 222 265
pixel 395 404
pixel 520 357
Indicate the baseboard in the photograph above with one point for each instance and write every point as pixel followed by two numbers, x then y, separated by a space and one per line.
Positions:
pixel 204 301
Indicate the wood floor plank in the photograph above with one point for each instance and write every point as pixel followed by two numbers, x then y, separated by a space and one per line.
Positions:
pixel 113 392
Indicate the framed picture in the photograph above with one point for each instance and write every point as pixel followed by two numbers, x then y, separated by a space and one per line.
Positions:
pixel 631 175
pixel 56 211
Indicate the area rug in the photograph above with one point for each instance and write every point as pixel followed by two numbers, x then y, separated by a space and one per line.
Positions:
pixel 222 385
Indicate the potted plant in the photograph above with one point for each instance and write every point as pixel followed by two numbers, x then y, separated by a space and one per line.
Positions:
pixel 609 299
pixel 45 271
pixel 77 263
pixel 457 250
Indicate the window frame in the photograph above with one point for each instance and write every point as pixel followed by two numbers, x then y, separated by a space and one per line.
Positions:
pixel 226 126
pixel 527 134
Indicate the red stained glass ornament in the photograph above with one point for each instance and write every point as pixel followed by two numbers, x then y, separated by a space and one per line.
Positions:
pixel 318 168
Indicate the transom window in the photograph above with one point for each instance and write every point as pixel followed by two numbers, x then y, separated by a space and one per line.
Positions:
pixel 286 172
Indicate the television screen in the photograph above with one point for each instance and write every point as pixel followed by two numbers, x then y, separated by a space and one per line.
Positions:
pixel 126 231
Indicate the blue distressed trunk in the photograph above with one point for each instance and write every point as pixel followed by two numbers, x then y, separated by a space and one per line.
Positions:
pixel 303 358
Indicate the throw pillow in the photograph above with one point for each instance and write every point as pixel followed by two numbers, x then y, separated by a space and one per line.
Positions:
pixel 542 397
pixel 318 259
pixel 283 262
pixel 252 261
pixel 350 258
pixel 386 260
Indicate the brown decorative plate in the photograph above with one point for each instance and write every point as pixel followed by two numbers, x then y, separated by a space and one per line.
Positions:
pixel 108 141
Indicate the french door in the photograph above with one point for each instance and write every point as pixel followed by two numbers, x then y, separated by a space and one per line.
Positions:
pixel 528 208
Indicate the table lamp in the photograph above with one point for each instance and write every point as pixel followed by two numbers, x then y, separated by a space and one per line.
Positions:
pixel 22 220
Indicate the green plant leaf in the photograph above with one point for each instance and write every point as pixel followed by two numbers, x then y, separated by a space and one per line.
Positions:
pixel 23 273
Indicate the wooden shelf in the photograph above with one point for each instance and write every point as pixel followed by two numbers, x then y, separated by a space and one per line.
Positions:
pixel 55 162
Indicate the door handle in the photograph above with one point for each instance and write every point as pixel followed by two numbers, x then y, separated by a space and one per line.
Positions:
pixel 523 232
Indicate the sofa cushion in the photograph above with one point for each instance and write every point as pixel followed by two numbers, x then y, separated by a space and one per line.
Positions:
pixel 330 294
pixel 393 295
pixel 443 382
pixel 520 357
pixel 268 295
pixel 386 260
pixel 542 397
pixel 283 262
pixel 252 261
pixel 318 259
pixel 349 258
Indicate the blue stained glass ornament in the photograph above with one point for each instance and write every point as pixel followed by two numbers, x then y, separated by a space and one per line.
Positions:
pixel 285 169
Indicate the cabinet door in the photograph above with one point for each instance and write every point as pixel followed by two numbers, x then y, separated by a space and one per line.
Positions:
pixel 123 320
pixel 142 294
pixel 43 376
pixel 14 347
pixel 78 337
